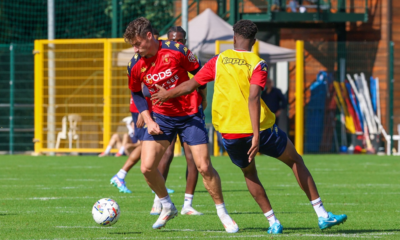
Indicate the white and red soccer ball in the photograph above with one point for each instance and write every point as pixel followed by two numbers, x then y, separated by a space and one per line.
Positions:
pixel 106 212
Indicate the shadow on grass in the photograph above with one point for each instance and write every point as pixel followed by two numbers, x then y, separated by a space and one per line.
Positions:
pixel 7 214
pixel 224 191
pixel 125 233
pixel 355 231
pixel 265 229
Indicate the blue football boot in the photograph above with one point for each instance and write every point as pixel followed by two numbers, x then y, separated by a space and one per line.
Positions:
pixel 120 184
pixel 331 220
pixel 276 228
pixel 168 190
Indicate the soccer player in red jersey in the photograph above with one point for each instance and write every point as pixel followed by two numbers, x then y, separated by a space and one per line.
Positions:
pixel 177 34
pixel 240 76
pixel 166 63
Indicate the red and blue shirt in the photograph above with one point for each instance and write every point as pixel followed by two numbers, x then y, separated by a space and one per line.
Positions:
pixel 168 68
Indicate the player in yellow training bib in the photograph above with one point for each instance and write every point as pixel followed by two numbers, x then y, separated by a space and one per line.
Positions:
pixel 245 122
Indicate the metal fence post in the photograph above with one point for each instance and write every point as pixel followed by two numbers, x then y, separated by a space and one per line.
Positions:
pixel 12 75
pixel 391 82
pixel 114 20
pixel 107 93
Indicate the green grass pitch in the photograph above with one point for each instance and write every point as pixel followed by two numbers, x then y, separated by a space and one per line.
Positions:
pixel 52 198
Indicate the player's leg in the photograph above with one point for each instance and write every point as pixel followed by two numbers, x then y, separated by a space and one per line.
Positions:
pixel 237 150
pixel 275 143
pixel 115 139
pixel 306 182
pixel 192 175
pixel 192 131
pixel 152 152
pixel 163 167
pixel 125 140
pixel 166 159
pixel 118 180
pixel 212 182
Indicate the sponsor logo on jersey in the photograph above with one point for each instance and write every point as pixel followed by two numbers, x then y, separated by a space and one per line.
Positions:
pixel 153 64
pixel 167 43
pixel 185 49
pixel 148 80
pixel 237 61
pixel 158 76
pixel 177 45
pixel 136 56
pixel 192 58
pixel 143 69
pixel 130 62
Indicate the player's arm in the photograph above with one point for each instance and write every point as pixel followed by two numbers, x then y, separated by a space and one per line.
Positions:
pixel 183 89
pixel 257 84
pixel 205 75
pixel 203 94
pixel 136 89
pixel 254 110
pixel 141 104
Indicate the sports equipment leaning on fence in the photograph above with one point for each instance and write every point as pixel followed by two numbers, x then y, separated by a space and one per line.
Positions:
pixel 240 76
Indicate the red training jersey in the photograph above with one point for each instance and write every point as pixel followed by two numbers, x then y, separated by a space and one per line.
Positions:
pixel 207 74
pixel 168 68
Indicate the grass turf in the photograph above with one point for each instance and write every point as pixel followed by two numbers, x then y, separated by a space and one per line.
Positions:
pixel 52 197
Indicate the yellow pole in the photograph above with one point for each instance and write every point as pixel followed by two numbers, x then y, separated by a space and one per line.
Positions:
pixel 216 147
pixel 107 93
pixel 217 47
pixel 38 96
pixel 256 48
pixel 299 119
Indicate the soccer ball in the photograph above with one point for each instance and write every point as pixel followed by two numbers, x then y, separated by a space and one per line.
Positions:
pixel 106 212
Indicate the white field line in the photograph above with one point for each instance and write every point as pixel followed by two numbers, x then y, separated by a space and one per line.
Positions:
pixel 227 236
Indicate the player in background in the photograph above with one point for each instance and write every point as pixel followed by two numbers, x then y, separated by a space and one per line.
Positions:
pixel 167 63
pixel 240 76
pixel 118 180
pixel 177 34
pixel 119 143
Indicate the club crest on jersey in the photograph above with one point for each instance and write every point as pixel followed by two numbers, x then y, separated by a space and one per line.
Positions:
pixel 167 43
pixel 165 58
pixel 153 64
pixel 177 45
pixel 143 69
pixel 237 61
pixel 185 49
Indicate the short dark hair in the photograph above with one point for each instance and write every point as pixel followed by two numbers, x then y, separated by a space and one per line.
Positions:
pixel 177 29
pixel 155 32
pixel 245 28
pixel 138 27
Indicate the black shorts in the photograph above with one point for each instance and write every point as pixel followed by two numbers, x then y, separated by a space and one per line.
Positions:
pixel 272 143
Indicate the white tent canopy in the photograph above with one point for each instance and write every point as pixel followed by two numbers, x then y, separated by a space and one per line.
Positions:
pixel 208 27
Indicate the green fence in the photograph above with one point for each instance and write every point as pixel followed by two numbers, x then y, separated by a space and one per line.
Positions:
pixel 16 100
pixel 23 21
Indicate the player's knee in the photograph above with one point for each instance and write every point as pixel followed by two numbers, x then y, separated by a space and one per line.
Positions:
pixel 146 170
pixel 205 168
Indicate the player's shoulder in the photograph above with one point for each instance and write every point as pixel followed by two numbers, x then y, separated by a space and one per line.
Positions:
pixel 174 47
pixel 263 65
pixel 135 59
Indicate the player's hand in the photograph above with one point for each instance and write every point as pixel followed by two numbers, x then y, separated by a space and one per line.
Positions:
pixel 255 145
pixel 160 96
pixel 153 128
pixel 140 121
